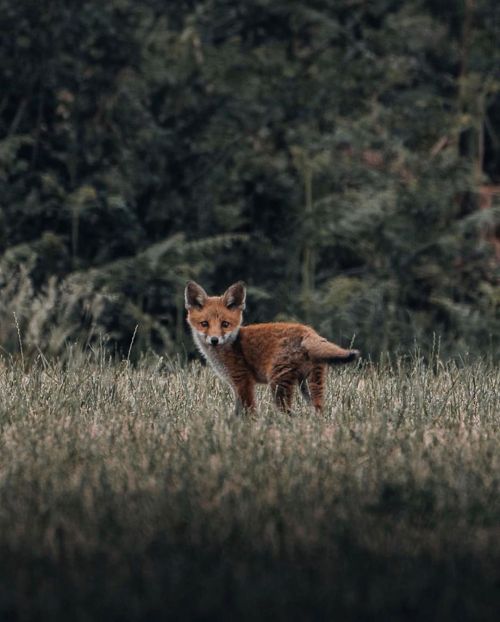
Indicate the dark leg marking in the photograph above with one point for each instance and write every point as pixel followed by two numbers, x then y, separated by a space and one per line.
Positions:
pixel 304 389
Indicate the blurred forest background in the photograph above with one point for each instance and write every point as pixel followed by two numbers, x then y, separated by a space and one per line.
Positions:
pixel 340 156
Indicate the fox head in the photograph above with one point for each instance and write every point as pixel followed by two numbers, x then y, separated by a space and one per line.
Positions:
pixel 215 320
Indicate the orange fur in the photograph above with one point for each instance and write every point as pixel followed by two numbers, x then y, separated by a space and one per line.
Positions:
pixel 279 354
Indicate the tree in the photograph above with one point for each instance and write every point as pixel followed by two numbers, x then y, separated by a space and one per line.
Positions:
pixel 329 153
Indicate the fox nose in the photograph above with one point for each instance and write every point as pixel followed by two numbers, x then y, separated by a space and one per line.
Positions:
pixel 214 341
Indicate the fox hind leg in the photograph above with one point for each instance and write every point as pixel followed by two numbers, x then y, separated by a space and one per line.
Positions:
pixel 283 393
pixel 316 385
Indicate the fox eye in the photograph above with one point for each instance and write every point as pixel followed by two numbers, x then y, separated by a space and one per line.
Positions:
pixel 204 324
pixel 224 324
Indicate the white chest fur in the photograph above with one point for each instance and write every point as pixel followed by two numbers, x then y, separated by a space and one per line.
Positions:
pixel 213 359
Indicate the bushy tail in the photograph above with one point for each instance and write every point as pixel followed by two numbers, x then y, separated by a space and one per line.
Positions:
pixel 323 351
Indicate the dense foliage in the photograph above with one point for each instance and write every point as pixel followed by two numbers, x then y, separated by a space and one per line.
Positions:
pixel 330 152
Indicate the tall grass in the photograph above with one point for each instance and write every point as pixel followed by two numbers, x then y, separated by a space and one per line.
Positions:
pixel 135 494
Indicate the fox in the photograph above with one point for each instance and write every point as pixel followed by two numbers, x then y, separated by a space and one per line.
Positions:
pixel 280 354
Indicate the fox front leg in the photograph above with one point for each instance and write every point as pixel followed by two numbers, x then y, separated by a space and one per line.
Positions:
pixel 245 397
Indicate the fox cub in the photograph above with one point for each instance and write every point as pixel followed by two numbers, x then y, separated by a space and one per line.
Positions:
pixel 279 354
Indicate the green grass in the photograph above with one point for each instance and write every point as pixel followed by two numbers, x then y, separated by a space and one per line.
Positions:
pixel 135 494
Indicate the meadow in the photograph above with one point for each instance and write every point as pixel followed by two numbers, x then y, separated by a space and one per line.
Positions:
pixel 134 493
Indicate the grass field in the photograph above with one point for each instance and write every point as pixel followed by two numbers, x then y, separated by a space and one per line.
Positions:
pixel 135 494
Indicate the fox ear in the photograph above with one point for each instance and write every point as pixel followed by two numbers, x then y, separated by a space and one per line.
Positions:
pixel 235 296
pixel 194 295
